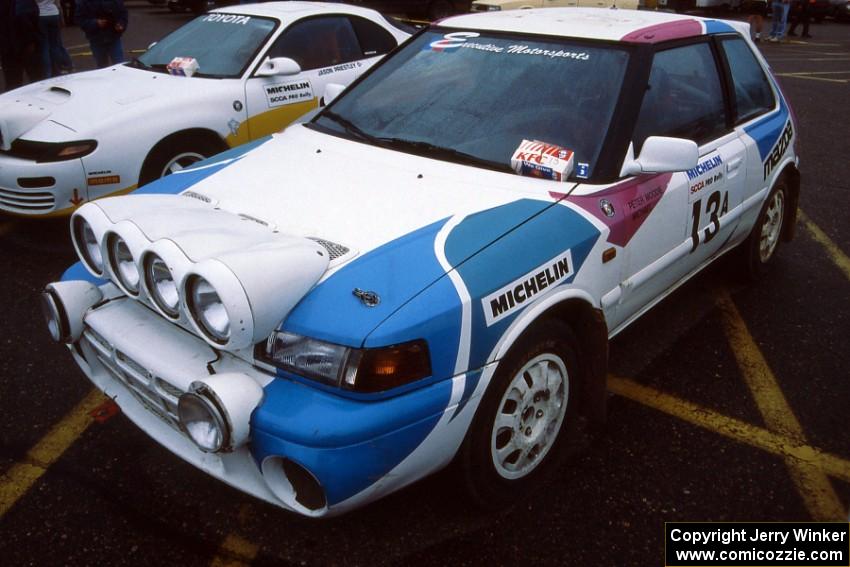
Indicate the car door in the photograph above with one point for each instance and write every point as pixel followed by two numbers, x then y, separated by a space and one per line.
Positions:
pixel 693 213
pixel 753 97
pixel 326 48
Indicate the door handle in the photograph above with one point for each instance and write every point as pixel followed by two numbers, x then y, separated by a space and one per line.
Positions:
pixel 733 164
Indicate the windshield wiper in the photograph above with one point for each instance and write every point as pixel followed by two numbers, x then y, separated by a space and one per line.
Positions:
pixel 350 127
pixel 431 150
pixel 137 63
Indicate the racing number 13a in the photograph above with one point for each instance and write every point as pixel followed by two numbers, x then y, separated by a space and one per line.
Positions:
pixel 716 206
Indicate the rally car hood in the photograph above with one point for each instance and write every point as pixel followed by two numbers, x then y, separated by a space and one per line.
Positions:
pixel 386 212
pixel 82 105
pixel 314 184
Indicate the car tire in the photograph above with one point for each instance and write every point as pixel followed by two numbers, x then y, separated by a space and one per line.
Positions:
pixel 175 154
pixel 760 247
pixel 522 430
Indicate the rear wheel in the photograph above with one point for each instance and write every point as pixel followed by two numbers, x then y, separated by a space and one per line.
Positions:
pixel 521 430
pixel 760 247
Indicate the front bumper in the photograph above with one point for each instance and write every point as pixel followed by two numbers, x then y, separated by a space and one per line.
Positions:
pixel 26 187
pixel 348 447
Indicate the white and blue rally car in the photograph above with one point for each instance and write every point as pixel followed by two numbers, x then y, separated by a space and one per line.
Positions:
pixel 431 268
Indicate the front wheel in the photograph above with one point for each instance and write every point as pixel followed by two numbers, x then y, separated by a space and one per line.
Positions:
pixel 172 156
pixel 520 432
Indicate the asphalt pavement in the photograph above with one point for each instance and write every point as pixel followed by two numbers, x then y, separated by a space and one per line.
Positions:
pixel 729 402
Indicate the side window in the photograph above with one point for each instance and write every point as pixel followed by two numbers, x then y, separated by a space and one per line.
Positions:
pixel 374 40
pixel 753 95
pixel 318 42
pixel 684 98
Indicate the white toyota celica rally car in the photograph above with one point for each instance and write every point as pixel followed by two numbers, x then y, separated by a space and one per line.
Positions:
pixel 76 138
pixel 431 268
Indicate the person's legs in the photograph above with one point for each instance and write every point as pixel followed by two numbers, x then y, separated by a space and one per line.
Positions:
pixel 100 54
pixel 60 60
pixel 44 46
pixel 785 9
pixel 116 51
pixel 13 71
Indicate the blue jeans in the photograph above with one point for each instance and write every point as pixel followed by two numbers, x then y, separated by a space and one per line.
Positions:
pixel 106 52
pixel 53 53
pixel 780 19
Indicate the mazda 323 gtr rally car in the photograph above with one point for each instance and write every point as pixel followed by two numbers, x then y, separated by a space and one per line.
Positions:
pixel 431 268
pixel 76 138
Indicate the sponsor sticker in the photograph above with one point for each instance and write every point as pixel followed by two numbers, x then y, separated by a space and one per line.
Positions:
pixel 522 291
pixel 703 177
pixel 227 19
pixel 280 94
pixel 775 155
pixel 534 158
pixel 582 170
pixel 104 180
pixel 457 40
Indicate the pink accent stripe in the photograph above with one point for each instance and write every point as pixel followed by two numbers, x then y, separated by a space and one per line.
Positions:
pixel 665 32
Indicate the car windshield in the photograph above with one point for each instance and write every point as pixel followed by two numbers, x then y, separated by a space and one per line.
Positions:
pixel 474 97
pixel 222 44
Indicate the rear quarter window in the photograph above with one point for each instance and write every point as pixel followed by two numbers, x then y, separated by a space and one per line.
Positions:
pixel 753 95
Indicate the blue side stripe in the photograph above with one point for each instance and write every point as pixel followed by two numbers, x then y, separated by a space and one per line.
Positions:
pixel 177 182
pixel 716 26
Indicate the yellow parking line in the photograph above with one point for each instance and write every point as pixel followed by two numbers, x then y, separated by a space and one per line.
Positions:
pixel 19 479
pixel 836 255
pixel 730 427
pixel 810 78
pixel 812 484
pixel 236 551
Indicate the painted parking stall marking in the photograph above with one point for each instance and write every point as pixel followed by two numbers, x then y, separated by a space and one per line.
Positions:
pixel 22 476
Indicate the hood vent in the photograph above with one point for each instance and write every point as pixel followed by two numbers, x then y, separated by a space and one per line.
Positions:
pixel 335 251
pixel 60 90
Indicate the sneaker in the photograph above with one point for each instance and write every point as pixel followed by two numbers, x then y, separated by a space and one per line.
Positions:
pixel 773 38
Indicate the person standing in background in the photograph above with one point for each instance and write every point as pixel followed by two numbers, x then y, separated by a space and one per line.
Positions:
pixel 757 11
pixel 19 42
pixel 103 22
pixel 780 19
pixel 802 15
pixel 54 56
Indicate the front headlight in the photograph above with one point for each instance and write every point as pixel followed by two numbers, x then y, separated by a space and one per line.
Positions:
pixel 122 264
pixel 161 285
pixel 361 370
pixel 207 309
pixel 44 152
pixel 202 421
pixel 88 245
pixel 494 8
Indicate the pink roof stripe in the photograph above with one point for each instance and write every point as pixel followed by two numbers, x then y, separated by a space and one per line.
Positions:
pixel 665 32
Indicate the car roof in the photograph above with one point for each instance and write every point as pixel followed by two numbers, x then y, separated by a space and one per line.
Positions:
pixel 292 10
pixel 639 26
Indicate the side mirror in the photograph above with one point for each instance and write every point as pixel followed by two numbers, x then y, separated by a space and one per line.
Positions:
pixel 278 66
pixel 332 90
pixel 661 155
